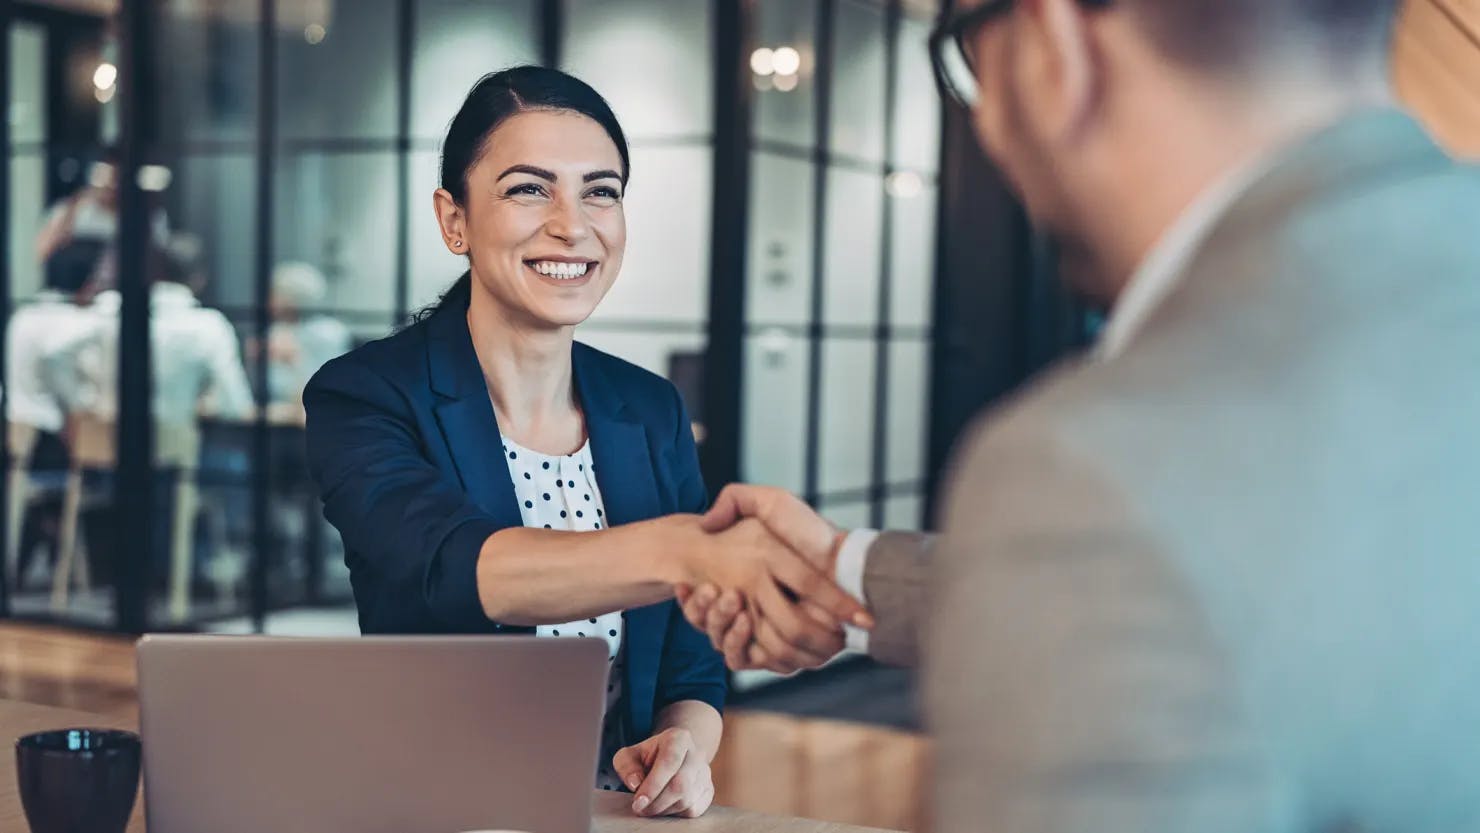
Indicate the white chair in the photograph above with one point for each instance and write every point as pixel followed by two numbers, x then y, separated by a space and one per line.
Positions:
pixel 94 447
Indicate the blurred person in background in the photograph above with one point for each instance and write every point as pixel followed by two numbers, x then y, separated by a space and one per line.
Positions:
pixel 56 318
pixel 38 332
pixel 300 340
pixel 196 371
pixel 1220 575
pixel 195 353
pixel 91 214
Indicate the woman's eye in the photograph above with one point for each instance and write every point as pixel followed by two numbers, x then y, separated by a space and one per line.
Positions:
pixel 605 192
pixel 527 189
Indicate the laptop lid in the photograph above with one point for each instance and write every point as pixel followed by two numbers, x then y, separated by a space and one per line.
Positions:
pixel 370 735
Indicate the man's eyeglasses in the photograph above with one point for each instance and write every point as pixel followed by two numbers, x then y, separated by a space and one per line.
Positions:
pixel 950 49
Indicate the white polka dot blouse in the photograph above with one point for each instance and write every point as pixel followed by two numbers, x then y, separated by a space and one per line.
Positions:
pixel 560 492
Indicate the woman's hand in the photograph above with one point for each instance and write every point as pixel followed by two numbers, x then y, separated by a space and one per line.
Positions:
pixel 795 609
pixel 669 775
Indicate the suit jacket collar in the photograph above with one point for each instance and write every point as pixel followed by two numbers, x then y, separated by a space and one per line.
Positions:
pixel 1352 153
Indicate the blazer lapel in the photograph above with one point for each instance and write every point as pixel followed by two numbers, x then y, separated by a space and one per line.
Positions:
pixel 624 472
pixel 466 417
pixel 619 446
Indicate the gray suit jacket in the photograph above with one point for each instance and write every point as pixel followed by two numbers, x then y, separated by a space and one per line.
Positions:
pixel 1230 579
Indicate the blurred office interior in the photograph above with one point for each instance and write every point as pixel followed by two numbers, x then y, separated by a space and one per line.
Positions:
pixel 819 258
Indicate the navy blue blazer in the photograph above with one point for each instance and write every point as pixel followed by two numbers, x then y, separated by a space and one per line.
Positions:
pixel 406 451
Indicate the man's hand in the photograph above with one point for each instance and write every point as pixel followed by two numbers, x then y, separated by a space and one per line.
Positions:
pixel 732 630
pixel 736 626
pixel 786 516
pixel 728 624
pixel 668 774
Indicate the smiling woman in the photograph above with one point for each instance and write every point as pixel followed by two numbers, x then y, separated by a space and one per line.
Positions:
pixel 489 474
pixel 533 171
pixel 436 448
pixel 561 220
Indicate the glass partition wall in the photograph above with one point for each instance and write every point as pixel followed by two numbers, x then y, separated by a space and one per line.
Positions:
pixel 287 153
pixel 844 149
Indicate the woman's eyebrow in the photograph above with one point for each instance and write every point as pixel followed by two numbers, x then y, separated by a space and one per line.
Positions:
pixel 602 174
pixel 548 176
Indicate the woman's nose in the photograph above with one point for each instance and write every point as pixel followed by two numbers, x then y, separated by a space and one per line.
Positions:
pixel 567 222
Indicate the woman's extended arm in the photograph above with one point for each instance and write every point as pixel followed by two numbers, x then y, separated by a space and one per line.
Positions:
pixel 428 544
pixel 539 576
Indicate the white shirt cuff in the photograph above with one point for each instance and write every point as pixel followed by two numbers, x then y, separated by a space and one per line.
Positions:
pixel 848 572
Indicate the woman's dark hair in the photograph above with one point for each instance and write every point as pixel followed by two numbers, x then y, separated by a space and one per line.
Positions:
pixel 493 100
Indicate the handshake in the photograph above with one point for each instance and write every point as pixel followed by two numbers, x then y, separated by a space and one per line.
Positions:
pixel 761 585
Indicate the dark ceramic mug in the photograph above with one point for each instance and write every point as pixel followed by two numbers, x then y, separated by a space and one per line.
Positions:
pixel 78 780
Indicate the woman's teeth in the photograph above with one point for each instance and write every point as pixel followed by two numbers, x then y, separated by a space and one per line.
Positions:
pixel 560 270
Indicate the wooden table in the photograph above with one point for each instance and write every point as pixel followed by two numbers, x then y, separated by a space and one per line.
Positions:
pixel 612 810
pixel 613 814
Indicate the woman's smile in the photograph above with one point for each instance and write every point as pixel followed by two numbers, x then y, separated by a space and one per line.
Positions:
pixel 564 272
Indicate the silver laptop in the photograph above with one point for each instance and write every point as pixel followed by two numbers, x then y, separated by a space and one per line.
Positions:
pixel 370 735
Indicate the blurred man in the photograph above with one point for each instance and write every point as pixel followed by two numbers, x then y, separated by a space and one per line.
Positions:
pixel 1221 576
pixel 39 331
pixel 194 351
pixel 300 340
pixel 195 370
pixel 55 318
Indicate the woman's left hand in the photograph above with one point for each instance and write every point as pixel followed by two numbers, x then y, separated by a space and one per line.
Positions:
pixel 669 775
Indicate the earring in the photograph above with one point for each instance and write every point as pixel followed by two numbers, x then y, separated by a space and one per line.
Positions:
pixel 457 244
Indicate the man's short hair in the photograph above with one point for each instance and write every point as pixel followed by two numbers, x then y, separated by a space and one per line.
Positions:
pixel 180 259
pixel 70 267
pixel 1236 34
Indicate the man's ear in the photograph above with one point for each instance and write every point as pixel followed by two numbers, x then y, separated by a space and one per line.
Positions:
pixel 1066 66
